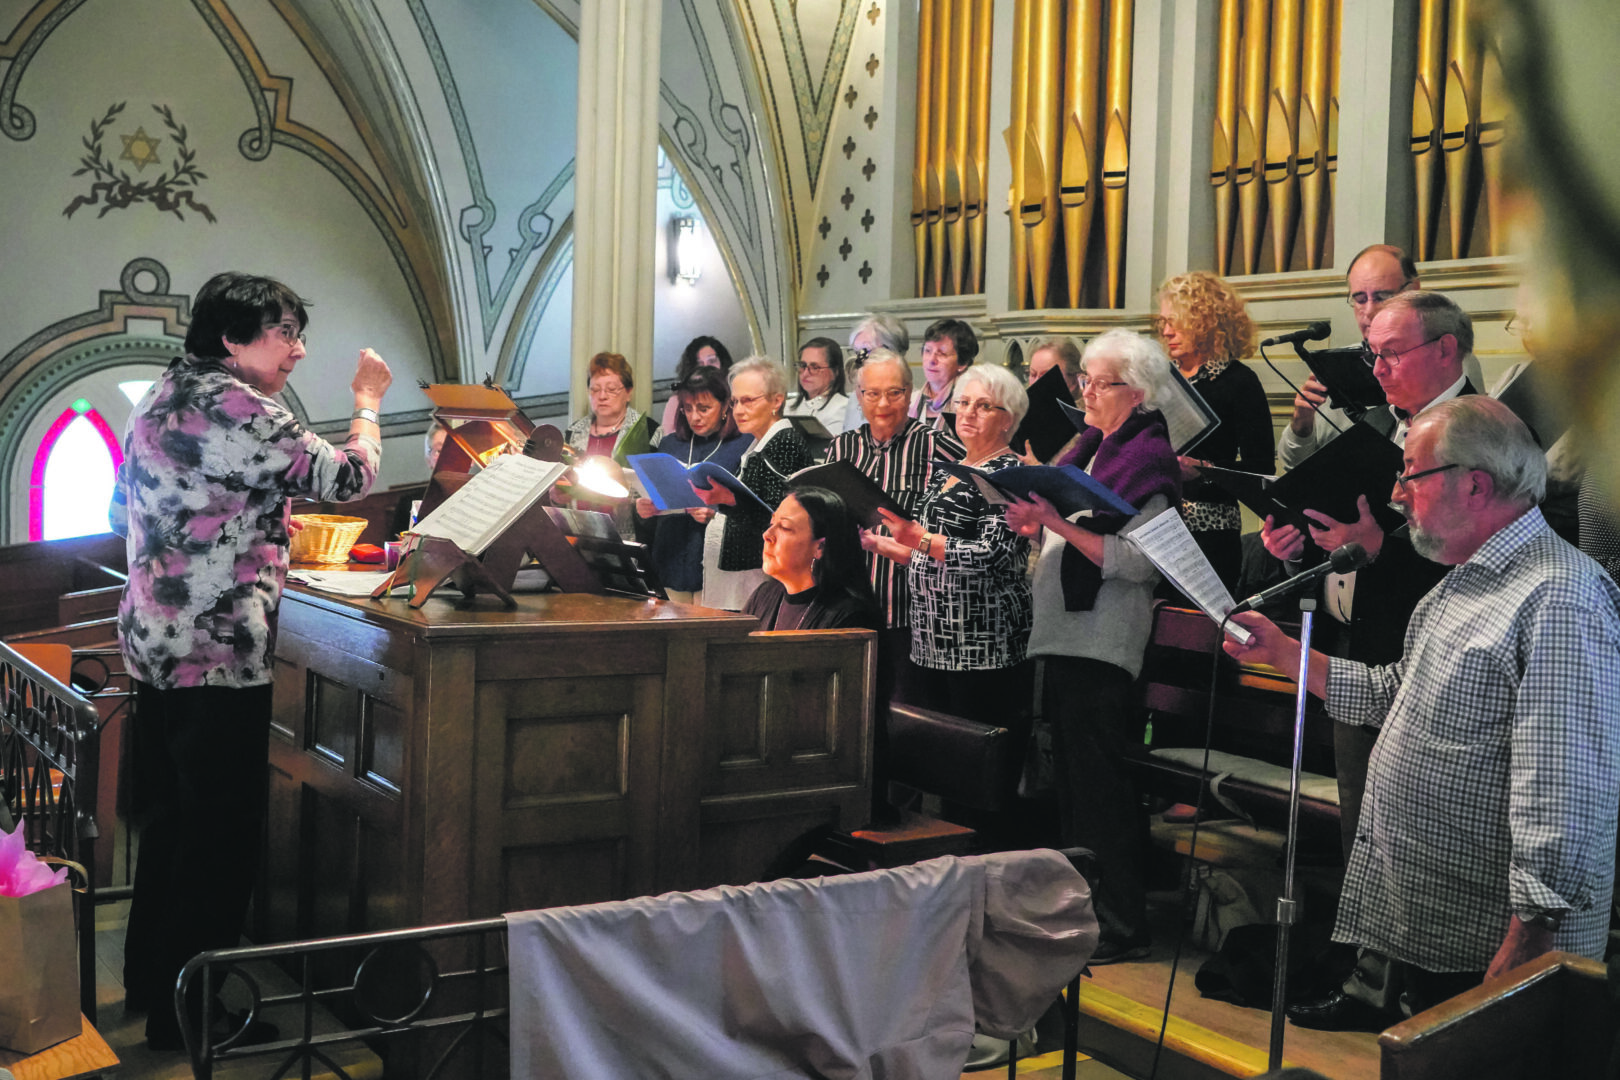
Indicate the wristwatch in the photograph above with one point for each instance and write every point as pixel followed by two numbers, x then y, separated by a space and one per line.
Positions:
pixel 367 414
pixel 1550 921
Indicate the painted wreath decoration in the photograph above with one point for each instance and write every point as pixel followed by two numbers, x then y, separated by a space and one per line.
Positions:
pixel 115 189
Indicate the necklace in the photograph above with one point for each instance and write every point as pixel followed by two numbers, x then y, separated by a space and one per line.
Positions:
pixel 610 431
pixel 692 446
pixel 982 458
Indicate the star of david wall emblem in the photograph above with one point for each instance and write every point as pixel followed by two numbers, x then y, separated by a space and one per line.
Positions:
pixel 114 188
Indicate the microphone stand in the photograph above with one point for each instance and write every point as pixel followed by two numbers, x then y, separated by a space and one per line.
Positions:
pixel 1287 908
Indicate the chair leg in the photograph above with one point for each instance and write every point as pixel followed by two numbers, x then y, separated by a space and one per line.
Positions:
pixel 1071 1029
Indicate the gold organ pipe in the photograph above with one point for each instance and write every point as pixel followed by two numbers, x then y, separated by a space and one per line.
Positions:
pixel 960 161
pixel 1428 107
pixel 1332 156
pixel 941 177
pixel 1014 136
pixel 1080 188
pixel 1252 128
pixel 1117 143
pixel 920 219
pixel 1223 163
pixel 1465 57
pixel 1494 116
pixel 1038 210
pixel 1316 70
pixel 983 35
pixel 1282 130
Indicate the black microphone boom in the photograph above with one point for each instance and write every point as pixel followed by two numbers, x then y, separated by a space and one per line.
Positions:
pixel 1342 561
pixel 1317 331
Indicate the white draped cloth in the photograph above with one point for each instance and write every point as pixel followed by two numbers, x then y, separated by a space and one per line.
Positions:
pixel 882 974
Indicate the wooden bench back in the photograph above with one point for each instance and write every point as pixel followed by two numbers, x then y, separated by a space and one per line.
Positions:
pixel 1550 1017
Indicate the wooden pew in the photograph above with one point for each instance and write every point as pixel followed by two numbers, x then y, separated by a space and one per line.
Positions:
pixel 1254 719
pixel 1551 1017
pixel 34 577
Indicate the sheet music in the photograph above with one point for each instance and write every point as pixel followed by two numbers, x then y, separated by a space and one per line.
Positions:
pixel 490 502
pixel 342 582
pixel 1165 540
pixel 1187 414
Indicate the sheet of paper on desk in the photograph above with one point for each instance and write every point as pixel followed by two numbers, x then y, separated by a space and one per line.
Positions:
pixel 342 582
pixel 1164 539
pixel 487 505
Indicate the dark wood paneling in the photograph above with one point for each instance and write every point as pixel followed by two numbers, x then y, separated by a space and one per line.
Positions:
pixel 461 762
pixel 334 721
pixel 551 875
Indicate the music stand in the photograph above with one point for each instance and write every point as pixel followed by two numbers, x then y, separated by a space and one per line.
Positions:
pixel 621 566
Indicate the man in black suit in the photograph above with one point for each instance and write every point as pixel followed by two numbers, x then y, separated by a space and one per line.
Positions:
pixel 1419 341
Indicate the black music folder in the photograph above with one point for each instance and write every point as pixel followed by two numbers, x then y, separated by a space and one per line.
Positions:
pixel 860 493
pixel 1358 462
pixel 1046 427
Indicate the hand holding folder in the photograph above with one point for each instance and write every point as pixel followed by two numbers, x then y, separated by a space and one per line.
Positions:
pixel 674 486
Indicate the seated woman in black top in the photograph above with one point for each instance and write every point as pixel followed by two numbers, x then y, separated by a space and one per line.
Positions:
pixel 815 570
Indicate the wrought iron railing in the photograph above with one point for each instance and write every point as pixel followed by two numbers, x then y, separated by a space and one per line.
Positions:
pixel 49 763
pixel 432 1001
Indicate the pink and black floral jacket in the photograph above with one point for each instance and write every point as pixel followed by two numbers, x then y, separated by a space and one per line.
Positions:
pixel 209 464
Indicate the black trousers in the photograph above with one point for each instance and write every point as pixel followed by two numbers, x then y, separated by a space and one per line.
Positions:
pixel 199 756
pixel 1087 703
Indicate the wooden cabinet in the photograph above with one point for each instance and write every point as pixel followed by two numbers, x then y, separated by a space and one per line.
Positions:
pixel 434 765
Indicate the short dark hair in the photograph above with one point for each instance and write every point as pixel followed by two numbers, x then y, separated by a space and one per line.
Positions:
pixel 689 357
pixel 705 380
pixel 237 307
pixel 841 570
pixel 1408 267
pixel 835 359
pixel 961 335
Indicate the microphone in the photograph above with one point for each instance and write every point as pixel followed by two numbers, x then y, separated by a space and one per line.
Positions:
pixel 1317 331
pixel 1341 561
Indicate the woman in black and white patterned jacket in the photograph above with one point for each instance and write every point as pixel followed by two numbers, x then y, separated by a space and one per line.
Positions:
pixel 970 604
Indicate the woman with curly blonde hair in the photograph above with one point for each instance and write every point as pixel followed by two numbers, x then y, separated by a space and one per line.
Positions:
pixel 1207 331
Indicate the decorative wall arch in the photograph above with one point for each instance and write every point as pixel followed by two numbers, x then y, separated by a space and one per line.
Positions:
pixel 140 323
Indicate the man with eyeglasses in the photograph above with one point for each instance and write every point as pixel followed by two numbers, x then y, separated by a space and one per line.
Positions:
pixel 1418 340
pixel 1376 274
pixel 1487 836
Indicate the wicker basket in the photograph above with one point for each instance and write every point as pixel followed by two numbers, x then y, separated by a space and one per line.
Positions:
pixel 325 538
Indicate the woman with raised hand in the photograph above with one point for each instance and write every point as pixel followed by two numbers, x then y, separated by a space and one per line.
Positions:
pixel 211 460
pixel 733 541
pixel 703 431
pixel 1093 599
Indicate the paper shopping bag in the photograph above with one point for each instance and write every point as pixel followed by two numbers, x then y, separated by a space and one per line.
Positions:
pixel 39 994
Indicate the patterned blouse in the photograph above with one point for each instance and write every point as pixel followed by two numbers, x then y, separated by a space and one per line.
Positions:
pixel 972 611
pixel 766 467
pixel 209 464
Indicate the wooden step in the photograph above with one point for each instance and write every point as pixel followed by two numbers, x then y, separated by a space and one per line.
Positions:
pixel 1122 1006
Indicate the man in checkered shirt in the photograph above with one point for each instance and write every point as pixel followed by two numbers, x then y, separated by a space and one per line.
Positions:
pixel 1488 833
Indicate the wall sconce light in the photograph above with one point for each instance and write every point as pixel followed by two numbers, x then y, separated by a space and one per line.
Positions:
pixel 684 264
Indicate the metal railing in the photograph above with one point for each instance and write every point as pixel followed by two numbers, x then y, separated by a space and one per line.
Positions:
pixel 431 999
pixel 49 764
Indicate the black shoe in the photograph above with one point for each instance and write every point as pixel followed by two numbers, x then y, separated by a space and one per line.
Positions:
pixel 1120 950
pixel 1340 1012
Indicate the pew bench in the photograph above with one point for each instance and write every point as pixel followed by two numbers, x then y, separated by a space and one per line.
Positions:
pixel 1252 744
